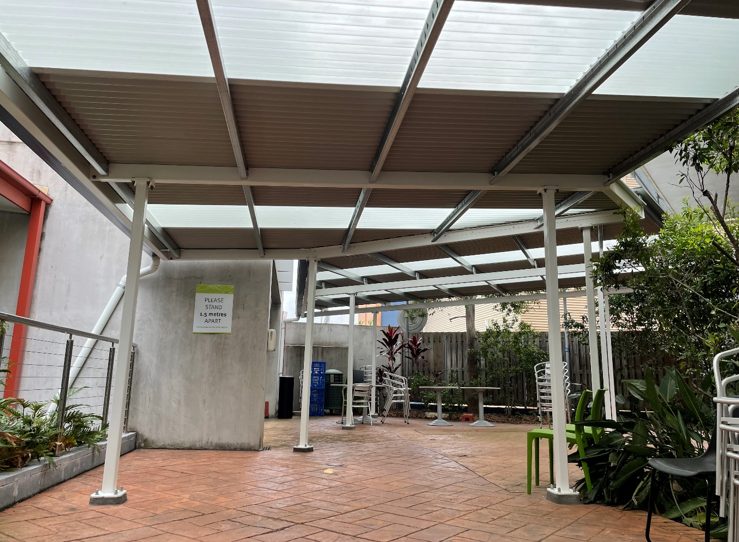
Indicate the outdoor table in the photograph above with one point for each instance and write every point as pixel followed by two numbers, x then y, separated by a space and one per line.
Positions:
pixel 438 389
pixel 357 419
pixel 481 421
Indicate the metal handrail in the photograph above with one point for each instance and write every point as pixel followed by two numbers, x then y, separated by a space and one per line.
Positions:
pixel 52 327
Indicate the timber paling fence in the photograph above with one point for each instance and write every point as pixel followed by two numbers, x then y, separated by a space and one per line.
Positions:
pixel 447 361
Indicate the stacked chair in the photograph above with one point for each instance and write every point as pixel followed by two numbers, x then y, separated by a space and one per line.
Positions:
pixel 727 443
pixel 396 392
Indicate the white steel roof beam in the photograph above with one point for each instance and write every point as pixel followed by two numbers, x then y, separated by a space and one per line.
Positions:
pixel 408 271
pixel 704 116
pixel 411 241
pixel 654 18
pixel 21 115
pixel 518 274
pixel 29 82
pixel 525 251
pixel 358 179
pixel 224 94
pixel 429 35
pixel 361 280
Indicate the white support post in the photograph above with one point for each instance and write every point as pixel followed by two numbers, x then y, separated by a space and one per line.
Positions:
pixel 587 246
pixel 110 493
pixel 310 307
pixel 561 491
pixel 373 400
pixel 605 345
pixel 349 413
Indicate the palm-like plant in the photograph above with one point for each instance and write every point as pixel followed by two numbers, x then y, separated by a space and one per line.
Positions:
pixel 415 350
pixel 391 345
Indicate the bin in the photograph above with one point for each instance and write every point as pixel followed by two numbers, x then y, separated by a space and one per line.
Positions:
pixel 334 393
pixel 285 398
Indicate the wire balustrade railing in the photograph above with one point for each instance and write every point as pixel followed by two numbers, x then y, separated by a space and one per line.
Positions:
pixel 59 366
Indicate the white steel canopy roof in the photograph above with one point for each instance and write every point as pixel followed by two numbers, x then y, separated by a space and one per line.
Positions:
pixel 404 129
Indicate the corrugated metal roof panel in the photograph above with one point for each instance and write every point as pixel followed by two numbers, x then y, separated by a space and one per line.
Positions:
pixel 602 132
pixel 307 196
pixel 300 126
pixel 139 119
pixel 462 131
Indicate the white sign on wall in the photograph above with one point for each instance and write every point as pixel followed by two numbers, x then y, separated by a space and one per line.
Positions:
pixel 213 308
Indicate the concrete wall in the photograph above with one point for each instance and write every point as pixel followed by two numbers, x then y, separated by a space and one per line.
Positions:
pixel 82 258
pixel 192 391
pixel 13 233
pixel 330 345
pixel 272 372
pixel 196 390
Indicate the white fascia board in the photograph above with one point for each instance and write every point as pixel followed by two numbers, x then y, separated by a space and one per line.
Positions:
pixel 176 174
pixel 517 274
pixel 625 197
pixel 21 114
pixel 412 241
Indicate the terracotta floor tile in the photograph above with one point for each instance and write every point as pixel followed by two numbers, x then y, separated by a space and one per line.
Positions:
pixel 386 482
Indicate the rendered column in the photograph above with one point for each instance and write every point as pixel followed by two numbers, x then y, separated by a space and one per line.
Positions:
pixel 310 306
pixel 110 492
pixel 349 418
pixel 561 487
pixel 595 380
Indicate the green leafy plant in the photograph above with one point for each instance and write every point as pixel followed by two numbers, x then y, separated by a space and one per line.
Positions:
pixel 673 421
pixel 509 350
pixel 415 349
pixel 391 346
pixel 28 431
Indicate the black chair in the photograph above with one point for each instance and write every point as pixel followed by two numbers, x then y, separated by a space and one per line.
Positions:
pixel 703 466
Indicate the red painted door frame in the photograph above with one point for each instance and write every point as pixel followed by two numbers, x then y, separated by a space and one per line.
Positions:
pixel 28 197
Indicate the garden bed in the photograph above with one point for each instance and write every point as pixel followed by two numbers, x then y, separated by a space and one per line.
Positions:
pixel 19 484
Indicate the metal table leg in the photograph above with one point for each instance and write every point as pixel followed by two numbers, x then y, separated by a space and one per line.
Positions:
pixel 481 421
pixel 439 421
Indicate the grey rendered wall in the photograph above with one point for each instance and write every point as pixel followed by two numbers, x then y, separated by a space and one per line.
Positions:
pixel 81 260
pixel 194 390
pixel 13 232
pixel 330 345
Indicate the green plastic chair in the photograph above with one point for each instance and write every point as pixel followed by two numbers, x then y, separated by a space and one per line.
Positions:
pixel 576 434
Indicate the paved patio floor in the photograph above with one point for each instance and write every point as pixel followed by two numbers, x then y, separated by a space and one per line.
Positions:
pixel 380 483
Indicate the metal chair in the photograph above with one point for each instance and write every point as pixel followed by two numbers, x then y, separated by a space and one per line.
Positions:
pixel 360 398
pixel 703 466
pixel 543 376
pixel 396 392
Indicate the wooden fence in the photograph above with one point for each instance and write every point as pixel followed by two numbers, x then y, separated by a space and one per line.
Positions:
pixel 446 361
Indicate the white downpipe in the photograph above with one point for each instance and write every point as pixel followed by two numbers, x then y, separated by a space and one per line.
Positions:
pixel 373 397
pixel 605 345
pixel 561 474
pixel 110 491
pixel 349 413
pixel 587 246
pixel 303 445
pixel 283 331
pixel 105 316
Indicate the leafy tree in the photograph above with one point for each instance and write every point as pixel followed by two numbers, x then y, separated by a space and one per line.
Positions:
pixel 685 299
pixel 713 149
pixel 509 349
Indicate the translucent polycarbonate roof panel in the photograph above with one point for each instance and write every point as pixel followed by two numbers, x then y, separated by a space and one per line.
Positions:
pixel 362 42
pixel 201 216
pixel 689 57
pixel 141 36
pixel 520 48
